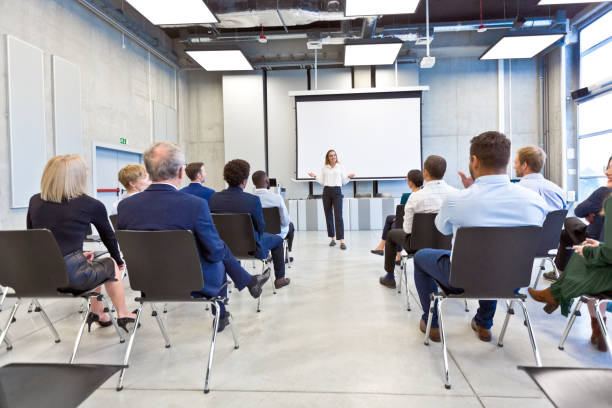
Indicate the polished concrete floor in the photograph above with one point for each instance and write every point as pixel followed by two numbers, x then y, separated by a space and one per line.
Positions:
pixel 334 337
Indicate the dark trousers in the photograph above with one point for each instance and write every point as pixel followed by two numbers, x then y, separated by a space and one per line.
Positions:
pixel 236 272
pixel 431 265
pixel 274 244
pixel 396 240
pixel 289 236
pixel 389 221
pixel 573 233
pixel 332 198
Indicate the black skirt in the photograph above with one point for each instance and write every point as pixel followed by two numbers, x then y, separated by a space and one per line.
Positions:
pixel 84 275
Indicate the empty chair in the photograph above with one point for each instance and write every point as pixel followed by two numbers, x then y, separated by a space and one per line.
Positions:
pixel 272 218
pixel 40 276
pixel 489 263
pixel 424 235
pixel 165 267
pixel 549 241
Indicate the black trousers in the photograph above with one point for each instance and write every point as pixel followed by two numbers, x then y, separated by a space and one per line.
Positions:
pixel 289 236
pixel 332 198
pixel 396 239
pixel 573 233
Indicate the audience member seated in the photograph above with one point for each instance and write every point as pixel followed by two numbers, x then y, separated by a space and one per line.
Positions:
pixel 528 164
pixel 234 200
pixel 197 174
pixel 427 200
pixel 271 200
pixel 414 179
pixel 575 231
pixel 491 201
pixel 64 208
pixel 163 207
pixel 589 272
pixel 135 179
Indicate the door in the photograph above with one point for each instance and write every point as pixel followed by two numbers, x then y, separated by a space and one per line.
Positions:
pixel 108 163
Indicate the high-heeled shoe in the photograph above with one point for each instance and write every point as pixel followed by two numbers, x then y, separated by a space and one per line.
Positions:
pixel 95 318
pixel 544 296
pixel 124 321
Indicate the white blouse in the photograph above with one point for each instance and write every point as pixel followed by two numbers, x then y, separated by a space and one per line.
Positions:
pixel 332 176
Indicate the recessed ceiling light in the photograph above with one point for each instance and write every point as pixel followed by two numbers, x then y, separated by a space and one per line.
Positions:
pixel 523 46
pixel 174 12
pixel 550 2
pixel 383 53
pixel 221 60
pixel 379 7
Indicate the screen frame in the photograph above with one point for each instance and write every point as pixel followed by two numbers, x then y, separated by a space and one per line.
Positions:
pixel 359 96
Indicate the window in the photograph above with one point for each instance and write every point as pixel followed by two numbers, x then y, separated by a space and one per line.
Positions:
pixel 594 114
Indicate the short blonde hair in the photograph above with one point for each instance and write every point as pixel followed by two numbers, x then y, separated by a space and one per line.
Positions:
pixel 64 178
pixel 131 173
pixel 533 156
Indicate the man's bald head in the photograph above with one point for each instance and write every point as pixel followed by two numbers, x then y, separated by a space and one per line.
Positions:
pixel 164 161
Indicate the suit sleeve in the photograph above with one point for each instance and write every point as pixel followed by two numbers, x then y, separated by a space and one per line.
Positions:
pixel 257 215
pixel 208 239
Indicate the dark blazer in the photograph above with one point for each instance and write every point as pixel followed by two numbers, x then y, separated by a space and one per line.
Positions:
pixel 198 190
pixel 234 201
pixel 162 207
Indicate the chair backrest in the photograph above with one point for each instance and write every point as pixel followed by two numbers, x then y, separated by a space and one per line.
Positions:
pixel 237 231
pixel 551 232
pixel 399 215
pixel 164 265
pixel 426 235
pixel 272 218
pixel 31 263
pixel 492 262
pixel 113 220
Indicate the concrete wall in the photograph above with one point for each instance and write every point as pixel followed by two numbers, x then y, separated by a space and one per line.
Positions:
pixel 119 80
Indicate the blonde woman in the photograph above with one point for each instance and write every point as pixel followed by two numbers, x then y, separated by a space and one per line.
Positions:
pixel 332 178
pixel 135 179
pixel 66 210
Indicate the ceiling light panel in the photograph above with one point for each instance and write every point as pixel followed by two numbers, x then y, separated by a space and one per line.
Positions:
pixel 371 54
pixel 525 46
pixel 379 7
pixel 550 2
pixel 221 60
pixel 174 12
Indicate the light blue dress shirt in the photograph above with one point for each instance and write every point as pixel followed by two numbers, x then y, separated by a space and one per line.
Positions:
pixel 492 201
pixel 549 191
pixel 270 200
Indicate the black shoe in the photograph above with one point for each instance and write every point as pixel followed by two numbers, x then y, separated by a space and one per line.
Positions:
pixel 94 318
pixel 332 243
pixel 377 252
pixel 390 283
pixel 342 246
pixel 224 321
pixel 281 282
pixel 255 288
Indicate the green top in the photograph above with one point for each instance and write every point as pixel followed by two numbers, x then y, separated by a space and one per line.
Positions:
pixel 404 198
pixel 588 275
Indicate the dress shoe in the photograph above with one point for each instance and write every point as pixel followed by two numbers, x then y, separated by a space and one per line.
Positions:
pixel 597 338
pixel 377 252
pixel 551 276
pixel 342 246
pixel 255 287
pixel 544 296
pixel 434 332
pixel 483 334
pixel 332 243
pixel 390 283
pixel 280 282
pixel 223 322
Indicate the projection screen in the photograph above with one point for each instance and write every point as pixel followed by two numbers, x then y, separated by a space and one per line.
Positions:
pixel 376 135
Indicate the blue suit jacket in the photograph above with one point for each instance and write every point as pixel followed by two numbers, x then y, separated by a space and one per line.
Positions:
pixel 234 200
pixel 198 190
pixel 162 207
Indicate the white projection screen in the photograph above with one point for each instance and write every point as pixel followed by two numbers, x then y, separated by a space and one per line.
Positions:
pixel 376 135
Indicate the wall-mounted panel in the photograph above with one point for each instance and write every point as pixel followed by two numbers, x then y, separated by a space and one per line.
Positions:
pixel 164 123
pixel 26 120
pixel 67 107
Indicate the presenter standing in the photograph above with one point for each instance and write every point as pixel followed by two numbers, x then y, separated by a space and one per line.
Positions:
pixel 332 178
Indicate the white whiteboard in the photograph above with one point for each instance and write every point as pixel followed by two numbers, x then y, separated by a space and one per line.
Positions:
pixel 67 107
pixel 376 136
pixel 26 120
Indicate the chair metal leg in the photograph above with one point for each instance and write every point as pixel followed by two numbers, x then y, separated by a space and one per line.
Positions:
pixel 401 276
pixel 31 306
pixel 263 269
pixel 406 288
pixel 212 350
pixel 112 317
pixel 259 303
pixel 540 271
pixel 161 325
pixel 570 323
pixel 447 384
pixel 509 313
pixel 4 290
pixel 534 345
pixel 80 333
pixel 467 309
pixel 236 344
pixel 165 308
pixel 9 344
pixel 47 320
pixel 432 302
pixel 128 351
pixel 8 324
pixel 602 326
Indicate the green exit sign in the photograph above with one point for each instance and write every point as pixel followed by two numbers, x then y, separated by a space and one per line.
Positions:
pixel 123 140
